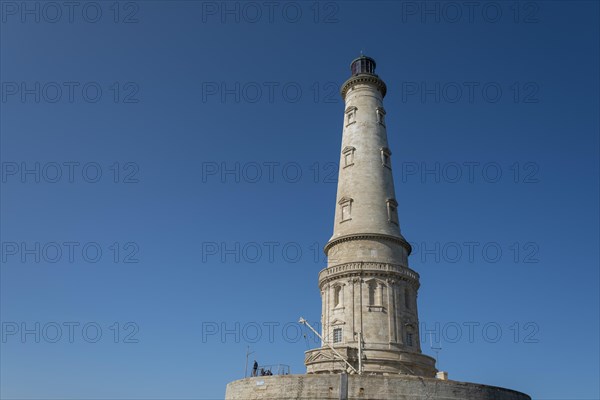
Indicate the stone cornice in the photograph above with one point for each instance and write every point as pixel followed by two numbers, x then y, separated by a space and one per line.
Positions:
pixel 363 78
pixel 362 236
pixel 362 268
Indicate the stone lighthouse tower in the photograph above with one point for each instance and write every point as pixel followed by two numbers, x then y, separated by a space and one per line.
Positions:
pixel 370 345
pixel 369 294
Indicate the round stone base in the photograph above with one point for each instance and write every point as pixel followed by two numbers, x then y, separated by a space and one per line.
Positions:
pixel 360 387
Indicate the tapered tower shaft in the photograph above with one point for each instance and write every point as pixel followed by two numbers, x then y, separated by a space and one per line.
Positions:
pixel 368 292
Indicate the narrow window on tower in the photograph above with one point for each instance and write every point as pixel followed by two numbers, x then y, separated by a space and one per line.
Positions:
pixel 337 296
pixel 380 116
pixel 392 206
pixel 376 295
pixel 337 335
pixel 379 294
pixel 350 115
pixel 407 299
pixel 386 155
pixel 348 156
pixel 409 339
pixel 372 289
pixel 345 209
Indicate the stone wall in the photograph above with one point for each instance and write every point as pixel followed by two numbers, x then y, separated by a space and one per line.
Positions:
pixel 362 387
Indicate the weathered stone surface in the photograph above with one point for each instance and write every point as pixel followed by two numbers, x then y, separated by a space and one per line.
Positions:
pixel 369 294
pixel 368 291
pixel 399 387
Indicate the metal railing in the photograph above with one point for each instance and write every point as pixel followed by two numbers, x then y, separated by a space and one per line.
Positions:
pixel 272 369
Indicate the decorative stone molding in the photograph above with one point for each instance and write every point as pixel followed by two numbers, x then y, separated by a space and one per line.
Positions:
pixel 363 79
pixel 357 270
pixel 366 236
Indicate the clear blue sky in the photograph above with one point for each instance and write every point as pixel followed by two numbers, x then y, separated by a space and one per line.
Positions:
pixel 167 99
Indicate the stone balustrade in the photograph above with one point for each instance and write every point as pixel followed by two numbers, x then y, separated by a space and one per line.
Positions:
pixel 352 268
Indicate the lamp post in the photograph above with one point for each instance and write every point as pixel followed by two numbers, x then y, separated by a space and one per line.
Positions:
pixel 248 352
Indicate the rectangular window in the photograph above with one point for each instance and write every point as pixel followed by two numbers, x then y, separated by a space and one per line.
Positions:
pixel 346 212
pixel 345 209
pixel 409 339
pixel 337 335
pixel 350 115
pixel 392 211
pixel 351 119
pixel 348 159
pixel 381 116
pixel 386 157
pixel 348 154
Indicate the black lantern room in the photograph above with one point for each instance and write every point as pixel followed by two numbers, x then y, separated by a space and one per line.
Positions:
pixel 363 65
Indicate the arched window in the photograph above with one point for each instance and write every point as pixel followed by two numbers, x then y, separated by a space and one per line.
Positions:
pixel 372 293
pixel 376 295
pixel 337 296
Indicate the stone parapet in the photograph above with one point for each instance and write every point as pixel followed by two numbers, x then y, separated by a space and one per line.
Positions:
pixel 360 387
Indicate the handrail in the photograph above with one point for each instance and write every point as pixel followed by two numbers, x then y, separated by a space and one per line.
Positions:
pixel 271 369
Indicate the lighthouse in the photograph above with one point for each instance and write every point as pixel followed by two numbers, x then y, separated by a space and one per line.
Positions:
pixel 370 346
pixel 368 291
